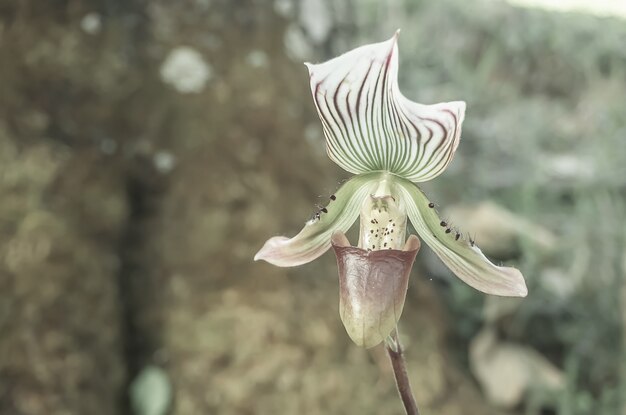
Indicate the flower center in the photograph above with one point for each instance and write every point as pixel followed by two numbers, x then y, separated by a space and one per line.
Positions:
pixel 383 224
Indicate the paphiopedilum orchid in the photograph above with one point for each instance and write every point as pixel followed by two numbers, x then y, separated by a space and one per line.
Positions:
pixel 389 143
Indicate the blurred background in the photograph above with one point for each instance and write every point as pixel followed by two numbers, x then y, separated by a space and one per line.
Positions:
pixel 149 148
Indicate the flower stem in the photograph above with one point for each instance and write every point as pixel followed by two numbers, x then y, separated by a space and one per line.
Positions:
pixel 396 355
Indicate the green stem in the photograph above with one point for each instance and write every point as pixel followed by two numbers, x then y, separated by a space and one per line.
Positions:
pixel 396 355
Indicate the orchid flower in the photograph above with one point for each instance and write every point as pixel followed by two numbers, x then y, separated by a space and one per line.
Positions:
pixel 390 143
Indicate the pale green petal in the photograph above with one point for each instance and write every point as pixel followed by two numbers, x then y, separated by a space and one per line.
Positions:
pixel 369 125
pixel 459 254
pixel 314 239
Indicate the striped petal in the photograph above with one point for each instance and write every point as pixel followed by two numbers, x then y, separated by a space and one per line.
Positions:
pixel 314 239
pixel 369 125
pixel 459 254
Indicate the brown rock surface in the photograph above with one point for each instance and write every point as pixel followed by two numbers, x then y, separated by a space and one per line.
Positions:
pixel 63 211
pixel 60 347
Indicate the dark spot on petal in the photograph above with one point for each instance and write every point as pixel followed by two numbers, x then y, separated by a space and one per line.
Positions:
pixel 333 197
pixel 448 230
pixel 443 223
pixel 324 210
pixel 431 205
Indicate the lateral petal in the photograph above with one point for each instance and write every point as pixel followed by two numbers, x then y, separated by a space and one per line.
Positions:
pixel 314 239
pixel 459 254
